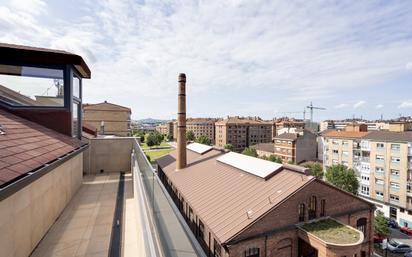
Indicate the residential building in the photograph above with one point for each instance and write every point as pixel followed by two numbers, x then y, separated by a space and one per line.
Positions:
pixel 166 129
pixel 108 118
pixel 296 147
pixel 265 149
pixel 271 211
pixel 401 124
pixel 383 162
pixel 242 132
pixel 287 125
pixel 199 127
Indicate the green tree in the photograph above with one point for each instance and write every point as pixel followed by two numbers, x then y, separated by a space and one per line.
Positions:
pixel 343 178
pixel 229 147
pixel 274 158
pixel 381 225
pixel 154 138
pixel 141 138
pixel 315 169
pixel 190 136
pixel 170 138
pixel 250 151
pixel 203 139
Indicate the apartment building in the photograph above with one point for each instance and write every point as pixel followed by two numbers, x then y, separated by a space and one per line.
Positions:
pixel 383 162
pixel 287 125
pixel 274 210
pixel 242 132
pixel 296 147
pixel 199 126
pixel 402 124
pixel 108 118
pixel 166 129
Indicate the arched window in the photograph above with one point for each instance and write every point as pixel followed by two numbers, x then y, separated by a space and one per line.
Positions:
pixel 301 212
pixel 361 225
pixel 322 208
pixel 312 208
pixel 252 252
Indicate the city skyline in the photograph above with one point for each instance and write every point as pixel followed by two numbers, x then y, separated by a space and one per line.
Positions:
pixel 260 59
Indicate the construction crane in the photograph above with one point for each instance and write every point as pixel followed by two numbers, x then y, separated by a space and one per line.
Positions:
pixel 311 107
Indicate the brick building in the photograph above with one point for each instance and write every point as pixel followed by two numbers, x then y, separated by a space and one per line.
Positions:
pixel 296 147
pixel 199 126
pixel 242 132
pixel 286 125
pixel 166 129
pixel 108 118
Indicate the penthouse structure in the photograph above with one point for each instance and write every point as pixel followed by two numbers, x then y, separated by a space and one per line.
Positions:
pixel 242 132
pixel 382 161
pixel 287 125
pixel 274 211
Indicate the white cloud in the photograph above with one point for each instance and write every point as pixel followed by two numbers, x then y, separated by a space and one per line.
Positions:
pixel 358 104
pixel 406 104
pixel 379 106
pixel 409 66
pixel 340 106
pixel 136 50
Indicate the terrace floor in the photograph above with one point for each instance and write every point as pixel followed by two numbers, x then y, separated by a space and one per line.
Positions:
pixel 85 226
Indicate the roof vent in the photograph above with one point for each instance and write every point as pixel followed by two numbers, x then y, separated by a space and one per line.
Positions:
pixel 249 214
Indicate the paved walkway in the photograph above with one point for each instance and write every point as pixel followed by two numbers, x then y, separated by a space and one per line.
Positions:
pixel 84 228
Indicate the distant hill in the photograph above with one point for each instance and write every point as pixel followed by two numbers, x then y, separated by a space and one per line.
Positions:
pixel 150 121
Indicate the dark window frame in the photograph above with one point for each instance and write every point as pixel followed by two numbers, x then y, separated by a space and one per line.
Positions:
pixel 301 212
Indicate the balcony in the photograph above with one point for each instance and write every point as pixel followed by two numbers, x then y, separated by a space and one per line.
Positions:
pixel 365 159
pixel 409 205
pixel 395 177
pixel 394 202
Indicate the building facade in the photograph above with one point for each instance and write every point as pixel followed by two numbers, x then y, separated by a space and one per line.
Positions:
pixel 242 132
pixel 166 129
pixel 402 124
pixel 199 127
pixel 296 147
pixel 108 118
pixel 287 125
pixel 382 161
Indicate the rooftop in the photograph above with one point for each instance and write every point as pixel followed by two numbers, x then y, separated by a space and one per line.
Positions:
pixel 391 136
pixel 243 120
pixel 227 210
pixel 26 146
pixel 331 231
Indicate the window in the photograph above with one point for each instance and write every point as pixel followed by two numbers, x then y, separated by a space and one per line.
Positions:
pixel 301 212
pixel 379 181
pixel 394 198
pixel 395 147
pixel 380 158
pixel 201 230
pixel 364 190
pixel 31 86
pixel 252 252
pixel 335 151
pixel 395 160
pixel 361 225
pixel 379 194
pixel 380 170
pixel 345 153
pixel 322 208
pixel 394 172
pixel 75 120
pixel 380 146
pixel 312 208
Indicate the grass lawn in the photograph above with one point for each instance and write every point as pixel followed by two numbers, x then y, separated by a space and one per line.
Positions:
pixel 156 154
pixel 332 231
pixel 162 145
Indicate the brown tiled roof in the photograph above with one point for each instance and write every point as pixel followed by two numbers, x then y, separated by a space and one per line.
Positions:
pixel 345 134
pixel 35 55
pixel 243 120
pixel 287 136
pixel 221 195
pixel 26 146
pixel 205 120
pixel 266 147
pixel 390 136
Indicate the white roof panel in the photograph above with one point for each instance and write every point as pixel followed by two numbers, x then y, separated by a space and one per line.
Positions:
pixel 252 165
pixel 199 148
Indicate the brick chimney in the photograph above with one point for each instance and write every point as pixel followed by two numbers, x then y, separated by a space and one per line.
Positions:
pixel 181 123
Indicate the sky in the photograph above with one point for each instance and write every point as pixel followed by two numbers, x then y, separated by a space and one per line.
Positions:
pixel 259 58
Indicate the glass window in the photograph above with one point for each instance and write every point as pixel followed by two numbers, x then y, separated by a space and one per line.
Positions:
pixel 252 252
pixel 301 212
pixel 31 86
pixel 75 121
pixel 322 207
pixel 395 147
pixel 312 208
pixel 361 225
pixel 380 145
pixel 76 87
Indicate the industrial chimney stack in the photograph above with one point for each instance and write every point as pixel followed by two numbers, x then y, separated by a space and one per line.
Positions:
pixel 181 123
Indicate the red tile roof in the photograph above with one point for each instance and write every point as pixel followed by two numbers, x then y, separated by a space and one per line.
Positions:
pixel 26 146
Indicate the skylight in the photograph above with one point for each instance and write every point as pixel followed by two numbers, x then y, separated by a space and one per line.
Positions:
pixel 252 165
pixel 199 148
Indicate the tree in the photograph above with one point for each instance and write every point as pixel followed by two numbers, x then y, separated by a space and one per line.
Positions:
pixel 141 138
pixel 229 147
pixel 343 178
pixel 154 138
pixel 381 225
pixel 203 139
pixel 274 158
pixel 190 136
pixel 315 169
pixel 250 151
pixel 170 138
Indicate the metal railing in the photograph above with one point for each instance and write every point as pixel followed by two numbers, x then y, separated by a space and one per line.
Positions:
pixel 167 232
